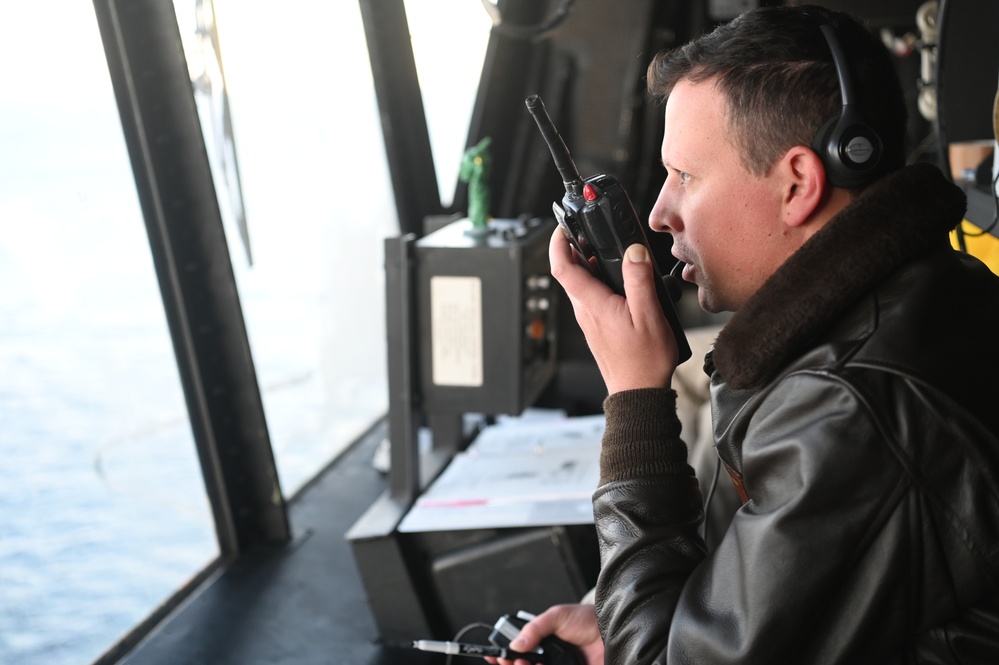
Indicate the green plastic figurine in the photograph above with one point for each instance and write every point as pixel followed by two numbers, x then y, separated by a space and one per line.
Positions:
pixel 475 166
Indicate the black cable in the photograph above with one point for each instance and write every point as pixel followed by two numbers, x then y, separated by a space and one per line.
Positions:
pixel 461 633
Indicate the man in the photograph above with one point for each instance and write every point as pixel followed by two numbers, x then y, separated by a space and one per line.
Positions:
pixel 852 390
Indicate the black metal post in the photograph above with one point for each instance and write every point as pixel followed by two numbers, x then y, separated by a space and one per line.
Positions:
pixel 404 122
pixel 404 472
pixel 178 199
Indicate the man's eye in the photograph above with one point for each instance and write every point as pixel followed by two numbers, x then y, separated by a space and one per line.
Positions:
pixel 682 176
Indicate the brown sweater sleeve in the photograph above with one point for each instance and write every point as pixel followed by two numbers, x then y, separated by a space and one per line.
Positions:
pixel 642 437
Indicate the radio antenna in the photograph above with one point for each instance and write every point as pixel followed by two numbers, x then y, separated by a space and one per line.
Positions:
pixel 563 160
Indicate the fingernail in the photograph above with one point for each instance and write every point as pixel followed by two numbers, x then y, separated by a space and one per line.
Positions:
pixel 637 254
pixel 517 644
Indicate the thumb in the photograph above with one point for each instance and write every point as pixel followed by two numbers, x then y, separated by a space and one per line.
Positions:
pixel 639 282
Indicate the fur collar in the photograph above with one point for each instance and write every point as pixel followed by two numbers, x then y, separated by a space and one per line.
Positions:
pixel 894 220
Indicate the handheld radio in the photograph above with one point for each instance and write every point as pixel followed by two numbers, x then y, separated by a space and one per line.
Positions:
pixel 599 220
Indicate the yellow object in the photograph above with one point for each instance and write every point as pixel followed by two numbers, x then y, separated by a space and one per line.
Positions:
pixel 984 246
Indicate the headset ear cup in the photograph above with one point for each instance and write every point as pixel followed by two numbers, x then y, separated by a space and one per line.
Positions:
pixel 850 150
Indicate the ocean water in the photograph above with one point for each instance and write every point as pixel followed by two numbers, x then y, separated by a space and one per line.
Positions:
pixel 102 506
pixel 103 512
pixel 102 509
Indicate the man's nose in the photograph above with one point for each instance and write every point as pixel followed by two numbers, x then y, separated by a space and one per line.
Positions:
pixel 661 218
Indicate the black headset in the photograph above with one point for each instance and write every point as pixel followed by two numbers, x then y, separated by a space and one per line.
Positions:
pixel 850 149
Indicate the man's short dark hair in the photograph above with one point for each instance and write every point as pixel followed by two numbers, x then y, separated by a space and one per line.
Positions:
pixel 776 70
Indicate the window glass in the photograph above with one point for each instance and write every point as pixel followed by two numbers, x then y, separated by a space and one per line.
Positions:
pixel 103 513
pixel 315 189
pixel 449 44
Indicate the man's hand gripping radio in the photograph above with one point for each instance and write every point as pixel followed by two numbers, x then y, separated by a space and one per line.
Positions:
pixel 599 220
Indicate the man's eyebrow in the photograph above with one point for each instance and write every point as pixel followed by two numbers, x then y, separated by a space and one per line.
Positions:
pixel 670 166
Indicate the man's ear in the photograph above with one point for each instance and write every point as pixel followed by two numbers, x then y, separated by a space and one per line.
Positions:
pixel 804 184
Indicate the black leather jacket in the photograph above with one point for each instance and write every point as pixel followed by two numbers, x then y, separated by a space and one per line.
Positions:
pixel 854 399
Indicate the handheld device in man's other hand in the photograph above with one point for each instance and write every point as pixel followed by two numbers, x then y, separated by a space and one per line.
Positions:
pixel 476 650
pixel 599 220
pixel 551 651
